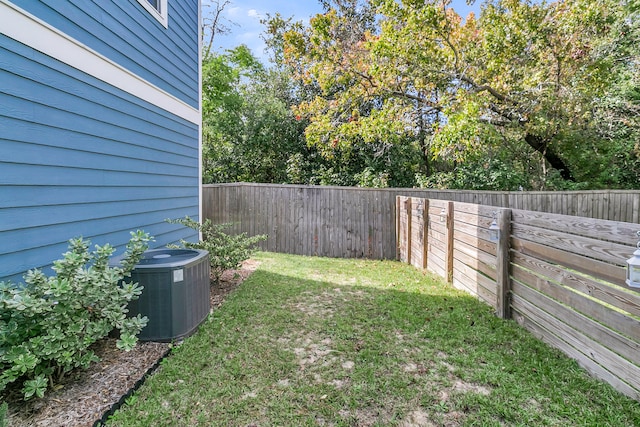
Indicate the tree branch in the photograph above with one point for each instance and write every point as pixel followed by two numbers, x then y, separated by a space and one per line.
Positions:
pixel 215 26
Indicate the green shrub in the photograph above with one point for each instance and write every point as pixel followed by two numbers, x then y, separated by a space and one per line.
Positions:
pixel 3 414
pixel 225 251
pixel 48 324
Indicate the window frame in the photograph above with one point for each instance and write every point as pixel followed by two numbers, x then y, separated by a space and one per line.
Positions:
pixel 161 15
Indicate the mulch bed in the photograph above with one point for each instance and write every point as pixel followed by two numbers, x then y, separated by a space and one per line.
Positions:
pixel 84 396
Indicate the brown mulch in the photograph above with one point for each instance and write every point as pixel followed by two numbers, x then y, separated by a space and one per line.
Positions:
pixel 84 396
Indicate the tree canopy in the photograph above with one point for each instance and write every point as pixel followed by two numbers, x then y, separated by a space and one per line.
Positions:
pixel 529 94
pixel 525 80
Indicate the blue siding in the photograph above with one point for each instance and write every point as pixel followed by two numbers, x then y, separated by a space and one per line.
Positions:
pixel 127 34
pixel 79 157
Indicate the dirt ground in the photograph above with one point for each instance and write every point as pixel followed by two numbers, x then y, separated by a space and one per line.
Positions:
pixel 83 397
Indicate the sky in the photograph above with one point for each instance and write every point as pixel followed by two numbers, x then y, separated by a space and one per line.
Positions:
pixel 243 19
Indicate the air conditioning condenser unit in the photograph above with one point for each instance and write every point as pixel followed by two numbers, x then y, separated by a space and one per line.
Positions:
pixel 176 294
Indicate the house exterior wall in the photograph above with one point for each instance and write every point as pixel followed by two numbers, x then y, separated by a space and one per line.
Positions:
pixel 99 126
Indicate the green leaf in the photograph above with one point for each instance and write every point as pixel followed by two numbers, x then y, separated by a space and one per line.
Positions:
pixel 48 325
pixel 36 386
pixel 126 342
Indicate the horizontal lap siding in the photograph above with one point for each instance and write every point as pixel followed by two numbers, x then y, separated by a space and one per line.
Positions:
pixel 127 34
pixel 80 157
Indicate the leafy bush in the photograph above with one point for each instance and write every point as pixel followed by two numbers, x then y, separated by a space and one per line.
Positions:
pixel 225 251
pixel 495 175
pixel 47 325
pixel 3 414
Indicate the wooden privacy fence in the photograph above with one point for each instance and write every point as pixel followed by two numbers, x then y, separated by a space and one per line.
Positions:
pixel 347 222
pixel 337 222
pixel 560 277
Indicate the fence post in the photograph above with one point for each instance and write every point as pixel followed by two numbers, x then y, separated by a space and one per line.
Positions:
pixel 425 233
pixel 502 265
pixel 449 240
pixel 398 228
pixel 408 205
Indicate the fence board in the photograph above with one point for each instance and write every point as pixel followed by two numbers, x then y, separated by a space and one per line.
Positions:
pixel 436 265
pixel 618 297
pixel 476 264
pixel 612 319
pixel 437 228
pixel 482 233
pixel 524 313
pixel 624 346
pixel 471 236
pixel 614 212
pixel 474 219
pixel 403 230
pixel 437 249
pixel 587 227
pixel 609 252
pixel 479 285
pixel 617 365
pixel 483 280
pixel 436 237
pixel 583 264
pixel 466 284
pixel 482 261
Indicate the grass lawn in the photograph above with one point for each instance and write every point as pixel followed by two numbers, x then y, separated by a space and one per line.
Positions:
pixel 328 342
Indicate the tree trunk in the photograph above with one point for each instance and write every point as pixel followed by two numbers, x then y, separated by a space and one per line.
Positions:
pixel 422 140
pixel 426 156
pixel 540 145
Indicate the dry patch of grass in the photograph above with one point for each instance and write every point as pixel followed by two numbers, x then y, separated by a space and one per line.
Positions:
pixel 325 342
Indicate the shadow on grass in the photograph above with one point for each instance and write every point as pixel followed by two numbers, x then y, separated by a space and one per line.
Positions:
pixel 350 345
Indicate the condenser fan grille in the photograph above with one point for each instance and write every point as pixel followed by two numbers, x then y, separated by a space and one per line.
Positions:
pixel 167 257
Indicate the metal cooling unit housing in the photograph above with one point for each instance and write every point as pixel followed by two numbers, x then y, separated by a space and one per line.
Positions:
pixel 176 292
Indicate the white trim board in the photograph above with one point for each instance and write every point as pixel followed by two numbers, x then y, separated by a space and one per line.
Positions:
pixel 161 15
pixel 20 25
pixel 200 162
